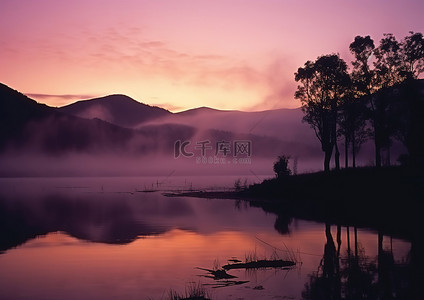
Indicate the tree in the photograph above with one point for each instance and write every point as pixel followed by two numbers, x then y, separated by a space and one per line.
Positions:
pixel 362 75
pixel 364 81
pixel 413 54
pixel 397 102
pixel 281 167
pixel 409 107
pixel 390 70
pixel 352 125
pixel 324 83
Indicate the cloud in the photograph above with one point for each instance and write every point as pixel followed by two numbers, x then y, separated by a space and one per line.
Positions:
pixel 127 60
pixel 157 58
pixel 279 77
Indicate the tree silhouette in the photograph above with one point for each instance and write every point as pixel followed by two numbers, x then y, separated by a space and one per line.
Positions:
pixel 389 71
pixel 353 125
pixel 281 167
pixel 413 54
pixel 394 115
pixel 389 68
pixel 371 102
pixel 364 81
pixel 362 75
pixel 324 83
pixel 408 107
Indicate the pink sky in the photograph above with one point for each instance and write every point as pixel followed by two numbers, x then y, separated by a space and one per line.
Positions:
pixel 227 54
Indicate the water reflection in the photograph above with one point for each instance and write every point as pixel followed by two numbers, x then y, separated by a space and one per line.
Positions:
pixel 89 240
pixel 89 210
pixel 354 275
pixel 83 218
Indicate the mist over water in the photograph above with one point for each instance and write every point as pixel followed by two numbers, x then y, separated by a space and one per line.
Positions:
pixel 128 138
pixel 65 147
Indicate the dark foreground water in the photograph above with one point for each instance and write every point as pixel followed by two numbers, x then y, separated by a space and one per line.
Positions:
pixel 120 238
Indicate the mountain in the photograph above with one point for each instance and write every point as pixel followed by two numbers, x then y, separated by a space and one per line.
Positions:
pixel 274 131
pixel 16 110
pixel 28 126
pixel 120 110
pixel 38 140
pixel 202 110
pixel 283 124
pixel 118 133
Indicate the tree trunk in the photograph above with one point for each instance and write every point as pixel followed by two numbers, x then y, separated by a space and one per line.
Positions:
pixel 348 242
pixel 355 231
pixel 384 270
pixel 337 157
pixel 346 153
pixel 353 152
pixel 327 159
pixel 377 148
pixel 329 266
pixel 333 134
pixel 376 125
pixel 339 239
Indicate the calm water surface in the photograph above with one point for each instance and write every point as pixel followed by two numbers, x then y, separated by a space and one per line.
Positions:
pixel 120 238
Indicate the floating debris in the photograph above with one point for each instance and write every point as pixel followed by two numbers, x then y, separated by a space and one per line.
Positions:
pixel 258 287
pixel 261 264
pixel 217 274
pixel 225 283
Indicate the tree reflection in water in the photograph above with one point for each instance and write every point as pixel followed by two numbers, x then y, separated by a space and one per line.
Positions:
pixel 353 275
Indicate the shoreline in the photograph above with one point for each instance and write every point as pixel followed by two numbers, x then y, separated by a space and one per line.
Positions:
pixel 388 199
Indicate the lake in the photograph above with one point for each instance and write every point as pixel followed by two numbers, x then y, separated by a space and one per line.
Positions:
pixel 121 238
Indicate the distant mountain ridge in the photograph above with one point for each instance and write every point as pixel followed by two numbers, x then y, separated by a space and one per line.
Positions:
pixel 16 110
pixel 27 126
pixel 42 140
pixel 30 126
pixel 283 124
pixel 117 109
pixel 202 109
pixel 142 136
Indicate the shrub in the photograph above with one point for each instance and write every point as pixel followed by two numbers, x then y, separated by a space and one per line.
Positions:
pixel 281 167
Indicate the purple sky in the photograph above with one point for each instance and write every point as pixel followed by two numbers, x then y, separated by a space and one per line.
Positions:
pixel 227 54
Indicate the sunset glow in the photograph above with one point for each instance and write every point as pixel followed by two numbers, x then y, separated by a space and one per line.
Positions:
pixel 182 54
pixel 211 149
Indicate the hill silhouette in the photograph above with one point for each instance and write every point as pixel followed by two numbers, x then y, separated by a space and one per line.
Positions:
pixel 16 110
pixel 35 137
pixel 283 124
pixel 30 126
pixel 120 110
